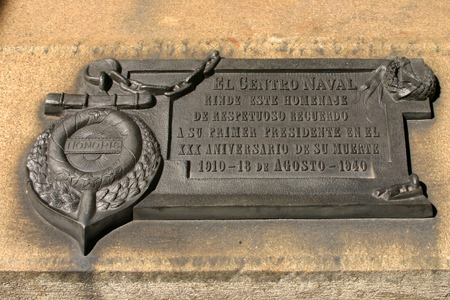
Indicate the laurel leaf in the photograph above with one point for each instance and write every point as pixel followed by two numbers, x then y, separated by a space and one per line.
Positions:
pixel 41 160
pixel 46 188
pixel 133 184
pixel 72 181
pixel 117 203
pixel 66 198
pixel 102 205
pixel 38 187
pixel 86 183
pixel 123 193
pixel 101 194
pixel 56 185
pixel 33 176
pixel 114 188
pixel 85 176
pixel 125 182
pixel 70 207
pixel 31 165
pixel 45 197
pixel 64 188
pixel 110 197
pixel 142 184
pixel 67 172
pixel 134 192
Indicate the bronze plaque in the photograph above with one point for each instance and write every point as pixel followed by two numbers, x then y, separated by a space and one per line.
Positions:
pixel 231 139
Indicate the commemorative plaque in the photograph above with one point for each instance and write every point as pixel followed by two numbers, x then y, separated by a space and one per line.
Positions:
pixel 231 139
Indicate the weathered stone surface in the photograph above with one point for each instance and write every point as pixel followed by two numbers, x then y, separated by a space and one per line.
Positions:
pixel 45 44
pixel 226 285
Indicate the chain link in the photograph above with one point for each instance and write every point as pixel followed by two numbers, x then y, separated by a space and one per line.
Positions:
pixel 173 90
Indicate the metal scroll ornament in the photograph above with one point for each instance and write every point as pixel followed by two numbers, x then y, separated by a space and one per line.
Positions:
pixel 88 170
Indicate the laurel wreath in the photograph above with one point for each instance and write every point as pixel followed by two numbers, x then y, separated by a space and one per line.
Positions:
pixel 61 195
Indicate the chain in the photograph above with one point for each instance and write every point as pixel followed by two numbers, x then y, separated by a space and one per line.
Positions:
pixel 173 90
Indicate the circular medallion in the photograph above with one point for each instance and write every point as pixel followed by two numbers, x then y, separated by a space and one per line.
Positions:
pixel 102 150
pixel 94 148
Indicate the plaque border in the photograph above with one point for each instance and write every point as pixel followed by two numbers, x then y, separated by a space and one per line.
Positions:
pixel 194 204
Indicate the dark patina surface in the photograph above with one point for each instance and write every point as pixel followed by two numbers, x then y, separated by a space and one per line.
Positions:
pixel 235 139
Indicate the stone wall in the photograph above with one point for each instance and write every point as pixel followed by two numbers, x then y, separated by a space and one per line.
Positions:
pixel 45 44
